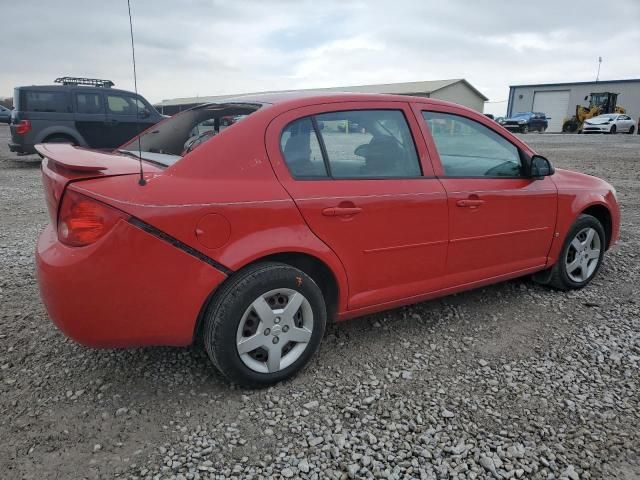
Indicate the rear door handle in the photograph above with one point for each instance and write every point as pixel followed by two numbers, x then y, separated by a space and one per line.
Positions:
pixel 470 203
pixel 340 211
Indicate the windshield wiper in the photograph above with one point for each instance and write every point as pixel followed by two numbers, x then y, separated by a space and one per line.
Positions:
pixel 131 154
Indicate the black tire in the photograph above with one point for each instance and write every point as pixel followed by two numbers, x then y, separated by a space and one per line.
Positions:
pixel 525 129
pixel 632 129
pixel 559 278
pixel 570 126
pixel 613 130
pixel 224 314
pixel 59 138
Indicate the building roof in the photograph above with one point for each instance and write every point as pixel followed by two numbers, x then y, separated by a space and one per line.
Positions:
pixel 406 88
pixel 567 84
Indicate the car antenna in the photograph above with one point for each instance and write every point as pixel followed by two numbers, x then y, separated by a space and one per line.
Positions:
pixel 141 181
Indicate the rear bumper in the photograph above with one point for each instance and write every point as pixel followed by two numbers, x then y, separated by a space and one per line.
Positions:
pixel 128 289
pixel 22 149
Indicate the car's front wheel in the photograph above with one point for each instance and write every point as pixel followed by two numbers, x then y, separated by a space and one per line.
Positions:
pixel 525 129
pixel 613 129
pixel 265 324
pixel 581 255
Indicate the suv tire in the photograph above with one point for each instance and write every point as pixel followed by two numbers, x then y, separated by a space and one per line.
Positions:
pixel 60 138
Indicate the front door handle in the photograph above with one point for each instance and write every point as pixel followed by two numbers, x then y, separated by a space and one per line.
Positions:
pixel 470 203
pixel 340 211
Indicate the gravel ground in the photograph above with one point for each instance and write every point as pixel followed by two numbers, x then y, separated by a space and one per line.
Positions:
pixel 509 381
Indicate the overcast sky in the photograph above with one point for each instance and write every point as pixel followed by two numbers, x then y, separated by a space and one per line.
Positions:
pixel 208 47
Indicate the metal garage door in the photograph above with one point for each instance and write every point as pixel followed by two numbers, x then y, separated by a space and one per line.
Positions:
pixel 554 104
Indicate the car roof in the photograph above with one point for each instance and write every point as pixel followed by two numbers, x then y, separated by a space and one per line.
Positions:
pixel 74 87
pixel 297 99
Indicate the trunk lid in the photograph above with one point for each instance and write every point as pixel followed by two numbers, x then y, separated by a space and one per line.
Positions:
pixel 63 164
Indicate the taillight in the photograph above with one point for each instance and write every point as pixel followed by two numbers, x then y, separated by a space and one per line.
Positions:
pixel 83 220
pixel 23 127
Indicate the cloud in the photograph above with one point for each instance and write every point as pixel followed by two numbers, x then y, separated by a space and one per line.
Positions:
pixel 209 47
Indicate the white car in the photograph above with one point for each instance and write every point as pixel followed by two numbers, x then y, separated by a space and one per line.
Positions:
pixel 609 123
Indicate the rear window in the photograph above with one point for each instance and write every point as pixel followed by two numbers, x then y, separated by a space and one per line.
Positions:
pixel 175 137
pixel 50 102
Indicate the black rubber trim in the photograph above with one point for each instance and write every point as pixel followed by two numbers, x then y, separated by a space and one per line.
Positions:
pixel 151 230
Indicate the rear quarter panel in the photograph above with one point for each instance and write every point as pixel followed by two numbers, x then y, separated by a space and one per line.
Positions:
pixel 232 181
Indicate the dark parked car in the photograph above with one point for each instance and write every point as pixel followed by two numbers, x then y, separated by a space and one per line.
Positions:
pixel 81 111
pixel 525 122
pixel 5 114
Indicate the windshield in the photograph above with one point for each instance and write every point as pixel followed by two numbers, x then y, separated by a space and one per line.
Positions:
pixel 522 115
pixel 175 137
pixel 608 116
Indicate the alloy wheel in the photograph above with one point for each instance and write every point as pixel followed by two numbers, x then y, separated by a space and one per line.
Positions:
pixel 583 255
pixel 275 330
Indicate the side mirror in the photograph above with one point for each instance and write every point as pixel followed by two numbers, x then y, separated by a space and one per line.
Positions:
pixel 540 167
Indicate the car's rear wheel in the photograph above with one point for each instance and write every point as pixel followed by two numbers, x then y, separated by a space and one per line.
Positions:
pixel 60 139
pixel 632 129
pixel 581 255
pixel 265 324
pixel 613 129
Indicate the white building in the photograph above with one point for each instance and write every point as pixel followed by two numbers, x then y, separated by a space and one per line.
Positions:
pixel 559 100
pixel 456 90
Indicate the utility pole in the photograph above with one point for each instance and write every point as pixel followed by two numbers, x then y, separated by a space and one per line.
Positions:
pixel 599 63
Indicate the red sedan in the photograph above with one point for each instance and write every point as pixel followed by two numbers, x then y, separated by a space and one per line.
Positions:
pixel 312 208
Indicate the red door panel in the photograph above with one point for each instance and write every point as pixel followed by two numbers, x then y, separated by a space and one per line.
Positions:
pixel 393 242
pixel 509 229
pixel 390 234
pixel 497 225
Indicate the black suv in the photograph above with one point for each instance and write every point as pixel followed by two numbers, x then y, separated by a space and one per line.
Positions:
pixel 81 111
pixel 525 122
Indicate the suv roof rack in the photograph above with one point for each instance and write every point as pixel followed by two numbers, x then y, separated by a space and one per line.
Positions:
pixel 95 82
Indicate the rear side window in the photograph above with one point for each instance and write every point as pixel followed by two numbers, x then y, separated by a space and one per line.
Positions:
pixel 358 144
pixel 469 149
pixel 301 150
pixel 124 105
pixel 89 103
pixel 51 102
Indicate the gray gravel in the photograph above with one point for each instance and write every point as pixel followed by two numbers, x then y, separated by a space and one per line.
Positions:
pixel 509 381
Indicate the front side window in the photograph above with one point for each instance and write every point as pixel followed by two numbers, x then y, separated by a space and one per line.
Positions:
pixel 357 143
pixel 124 105
pixel 469 149
pixel 89 103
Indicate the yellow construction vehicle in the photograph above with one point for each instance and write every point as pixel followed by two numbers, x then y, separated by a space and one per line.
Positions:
pixel 599 103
